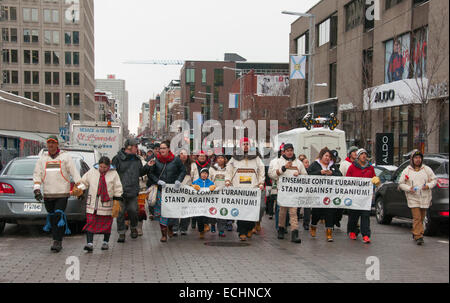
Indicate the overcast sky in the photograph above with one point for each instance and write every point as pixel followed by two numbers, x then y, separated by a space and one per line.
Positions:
pixel 185 30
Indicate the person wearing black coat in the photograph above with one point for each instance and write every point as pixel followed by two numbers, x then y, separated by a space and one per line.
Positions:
pixel 167 169
pixel 323 166
pixel 129 167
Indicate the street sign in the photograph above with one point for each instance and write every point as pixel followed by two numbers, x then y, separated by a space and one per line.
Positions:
pixel 385 149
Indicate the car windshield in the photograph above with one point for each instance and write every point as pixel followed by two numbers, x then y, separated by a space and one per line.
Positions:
pixel 21 168
pixel 87 157
pixel 441 169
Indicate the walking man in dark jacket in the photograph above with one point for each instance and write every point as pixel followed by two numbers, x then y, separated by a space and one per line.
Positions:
pixel 129 167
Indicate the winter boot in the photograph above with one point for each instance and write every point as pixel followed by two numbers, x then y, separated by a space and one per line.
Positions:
pixel 312 231
pixel 121 238
pixel 329 235
pixel 202 235
pixel 207 228
pixel 170 231
pixel 281 233
pixel 134 233
pixel 57 246
pixel 294 237
pixel 89 248
pixel 243 238
pixel 258 227
pixel 163 233
pixel 139 228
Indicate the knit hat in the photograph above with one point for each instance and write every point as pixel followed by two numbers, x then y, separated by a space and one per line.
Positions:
pixel 204 170
pixel 334 154
pixel 352 149
pixel 53 138
pixel 131 142
pixel 243 140
pixel 361 151
pixel 287 146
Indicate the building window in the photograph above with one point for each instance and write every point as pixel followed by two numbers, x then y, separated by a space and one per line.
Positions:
pixel 68 38
pixel 333 31
pixel 397 58
pixel 302 44
pixel 76 58
pixel 35 56
pixel 27 56
pixel 216 95
pixel 13 32
pixel 35 77
pixel 324 32
pixel 35 36
pixel 48 98
pixel 15 77
pixel 68 58
pixel 203 76
pixel 192 93
pixel 8 13
pixel 68 99
pixel 419 53
pixel 218 77
pixel 27 95
pixel 391 3
pixel 56 99
pixel 55 78
pixel 76 78
pixel 36 96
pixel 68 78
pixel 5 34
pixel 367 68
pixel 76 116
pixel 48 78
pixel 56 58
pixel 6 77
pixel 76 99
pixel 354 14
pixel 26 36
pixel 76 37
pixel 333 79
pixel 190 75
pixel 72 12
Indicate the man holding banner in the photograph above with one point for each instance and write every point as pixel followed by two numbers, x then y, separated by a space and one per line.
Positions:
pixel 245 171
pixel 288 165
pixel 361 168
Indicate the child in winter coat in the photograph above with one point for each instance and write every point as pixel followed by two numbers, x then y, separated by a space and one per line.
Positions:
pixel 203 183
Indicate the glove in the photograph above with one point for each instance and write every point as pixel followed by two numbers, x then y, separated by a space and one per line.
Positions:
pixel 116 209
pixel 162 183
pixel 38 195
pixel 196 187
pixel 212 188
pixel 77 192
pixel 177 184
pixel 376 181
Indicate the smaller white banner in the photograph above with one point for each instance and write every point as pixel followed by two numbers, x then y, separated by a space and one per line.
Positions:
pixel 325 192
pixel 229 203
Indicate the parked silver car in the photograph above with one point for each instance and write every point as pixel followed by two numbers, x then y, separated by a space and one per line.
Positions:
pixel 17 202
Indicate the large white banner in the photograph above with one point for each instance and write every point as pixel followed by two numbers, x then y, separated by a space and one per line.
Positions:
pixel 325 192
pixel 272 85
pixel 228 203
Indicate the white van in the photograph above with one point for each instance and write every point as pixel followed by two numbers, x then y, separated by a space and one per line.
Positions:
pixel 310 142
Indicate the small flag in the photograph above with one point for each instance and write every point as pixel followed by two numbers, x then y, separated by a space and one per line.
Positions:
pixel 234 101
pixel 298 66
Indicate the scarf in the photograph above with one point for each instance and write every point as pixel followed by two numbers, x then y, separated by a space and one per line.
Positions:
pixel 103 189
pixel 202 165
pixel 165 160
pixel 55 155
pixel 290 159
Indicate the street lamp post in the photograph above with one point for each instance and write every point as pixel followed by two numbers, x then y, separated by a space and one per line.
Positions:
pixel 312 23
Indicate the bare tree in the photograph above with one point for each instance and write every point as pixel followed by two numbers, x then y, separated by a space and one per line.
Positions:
pixel 427 59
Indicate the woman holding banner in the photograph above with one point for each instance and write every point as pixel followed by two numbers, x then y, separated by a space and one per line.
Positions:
pixel 323 166
pixel 167 169
pixel 182 225
pixel 245 171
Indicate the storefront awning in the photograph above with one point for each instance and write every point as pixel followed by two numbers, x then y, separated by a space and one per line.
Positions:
pixel 39 137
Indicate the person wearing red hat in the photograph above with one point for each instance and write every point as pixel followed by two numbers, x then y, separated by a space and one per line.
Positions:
pixel 246 171
pixel 53 171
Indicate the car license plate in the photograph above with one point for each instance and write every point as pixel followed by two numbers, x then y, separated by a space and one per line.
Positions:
pixel 32 207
